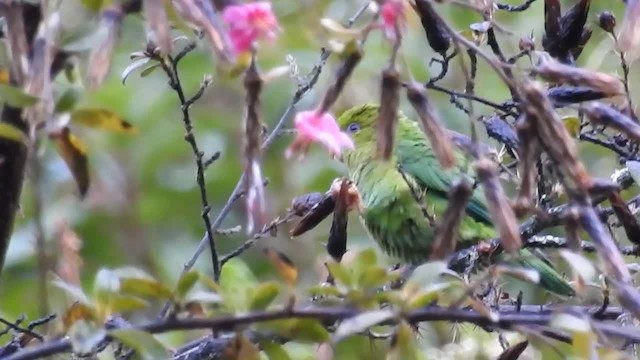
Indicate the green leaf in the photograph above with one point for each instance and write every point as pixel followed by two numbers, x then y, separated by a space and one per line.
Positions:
pixel 120 303
pixel 572 124
pixel 375 276
pixel 85 336
pixel 304 330
pixel 75 293
pixel 10 132
pixel 137 64
pixel 324 290
pixel 105 285
pixel 428 294
pixel 341 273
pixel 236 283
pixel 264 295
pixel 147 71
pixel 68 100
pixel 145 287
pixel 274 351
pixel 579 264
pixel 405 346
pixel 204 297
pixel 145 344
pixel 428 273
pixel 186 282
pixel 361 322
pixel 15 97
pixel 96 5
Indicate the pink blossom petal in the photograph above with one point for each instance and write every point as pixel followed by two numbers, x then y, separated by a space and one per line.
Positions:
pixel 312 126
pixel 250 22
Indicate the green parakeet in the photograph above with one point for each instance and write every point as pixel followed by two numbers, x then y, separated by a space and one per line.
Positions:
pixel 391 214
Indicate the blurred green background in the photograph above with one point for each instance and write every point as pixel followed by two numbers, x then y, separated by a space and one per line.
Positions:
pixel 143 207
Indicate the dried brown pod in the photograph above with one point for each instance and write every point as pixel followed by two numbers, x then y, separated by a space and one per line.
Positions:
pixel 437 36
pixel 314 216
pixel 555 138
pixel 388 113
pixel 301 205
pixel 567 94
pixel 255 199
pixel 627 219
pixel 602 114
pixel 101 55
pixel 502 214
pixel 431 125
pixel 552 70
pixel 446 232
pixel 529 153
pixel 565 33
pixel 337 242
pixel 348 63
pixel 500 130
pixel 158 22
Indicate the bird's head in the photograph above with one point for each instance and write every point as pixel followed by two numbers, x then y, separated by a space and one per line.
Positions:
pixel 360 123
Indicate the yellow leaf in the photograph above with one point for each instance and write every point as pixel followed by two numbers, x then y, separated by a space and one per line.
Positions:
pixel 284 265
pixel 232 72
pixel 74 153
pixel 75 312
pixel 241 349
pixel 572 124
pixel 102 119
pixel 8 131
pixel 4 76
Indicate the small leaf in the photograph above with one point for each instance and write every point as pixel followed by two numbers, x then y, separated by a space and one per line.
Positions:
pixel 304 330
pixel 68 100
pixel 186 282
pixel 137 64
pixel 4 76
pixel 145 287
pixel 427 273
pixel 145 344
pixel 10 132
pixel 105 286
pixel 240 348
pixel 74 153
pixel 85 336
pixel 572 124
pixel 404 345
pixel 375 277
pixel 286 268
pixel 147 71
pixel 264 295
pixel 274 351
pixel 324 290
pixel 75 293
pixel 364 260
pixel 120 303
pixel 236 282
pixel 204 297
pixel 341 273
pixel 580 264
pixel 102 119
pixel 77 311
pixel 95 5
pixel 428 295
pixel 361 322
pixel 238 68
pixel 15 97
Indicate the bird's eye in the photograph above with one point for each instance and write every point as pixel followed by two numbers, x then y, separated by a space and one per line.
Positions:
pixel 353 127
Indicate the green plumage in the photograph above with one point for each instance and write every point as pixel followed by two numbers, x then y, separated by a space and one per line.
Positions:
pixel 392 216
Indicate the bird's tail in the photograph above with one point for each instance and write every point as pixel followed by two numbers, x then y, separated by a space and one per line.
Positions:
pixel 550 278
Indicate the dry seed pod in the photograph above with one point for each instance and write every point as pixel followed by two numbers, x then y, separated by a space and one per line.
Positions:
pixel 346 67
pixel 552 70
pixel 446 231
pixel 437 36
pixel 601 114
pixel 607 21
pixel 314 216
pixel 388 113
pixel 301 205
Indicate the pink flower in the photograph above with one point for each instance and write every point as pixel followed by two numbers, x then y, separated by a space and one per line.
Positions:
pixel 393 18
pixel 250 22
pixel 313 126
